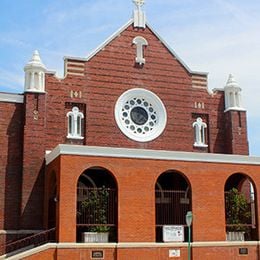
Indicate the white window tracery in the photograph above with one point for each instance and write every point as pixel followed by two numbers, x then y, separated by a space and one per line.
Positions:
pixel 199 133
pixel 75 118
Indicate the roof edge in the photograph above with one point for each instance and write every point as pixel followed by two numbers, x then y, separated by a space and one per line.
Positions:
pixel 64 149
pixel 12 98
pixel 121 29
pixel 109 39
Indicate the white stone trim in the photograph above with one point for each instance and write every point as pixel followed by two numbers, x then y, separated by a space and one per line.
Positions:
pixel 76 68
pixel 174 53
pixel 12 98
pixel 140 42
pixel 74 118
pixel 74 73
pixel 235 109
pixel 66 149
pixel 119 31
pixel 151 105
pixel 200 133
pixel 35 74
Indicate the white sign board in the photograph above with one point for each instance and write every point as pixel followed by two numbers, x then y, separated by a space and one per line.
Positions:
pixel 174 253
pixel 173 233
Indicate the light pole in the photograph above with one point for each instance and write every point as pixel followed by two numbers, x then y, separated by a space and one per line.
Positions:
pixel 188 222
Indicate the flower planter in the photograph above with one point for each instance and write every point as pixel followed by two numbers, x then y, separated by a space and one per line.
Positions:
pixel 95 237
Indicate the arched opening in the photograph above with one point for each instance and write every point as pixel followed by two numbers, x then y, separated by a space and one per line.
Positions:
pixel 96 206
pixel 240 208
pixel 173 201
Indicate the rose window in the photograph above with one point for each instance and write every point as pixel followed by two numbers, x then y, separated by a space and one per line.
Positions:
pixel 140 115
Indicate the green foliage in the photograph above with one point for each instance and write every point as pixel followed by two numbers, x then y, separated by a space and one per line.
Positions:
pixel 96 204
pixel 238 211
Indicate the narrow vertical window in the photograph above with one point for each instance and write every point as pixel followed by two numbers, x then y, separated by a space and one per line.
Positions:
pixel 199 133
pixel 70 125
pixel 75 123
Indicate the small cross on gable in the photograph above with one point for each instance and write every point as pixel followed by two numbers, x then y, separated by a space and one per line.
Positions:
pixel 139 3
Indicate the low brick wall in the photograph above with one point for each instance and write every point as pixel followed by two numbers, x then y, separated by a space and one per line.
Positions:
pixel 143 251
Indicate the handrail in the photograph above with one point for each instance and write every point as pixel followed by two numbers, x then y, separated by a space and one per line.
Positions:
pixel 30 241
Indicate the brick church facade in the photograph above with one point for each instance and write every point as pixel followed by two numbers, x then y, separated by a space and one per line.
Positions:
pixel 131 124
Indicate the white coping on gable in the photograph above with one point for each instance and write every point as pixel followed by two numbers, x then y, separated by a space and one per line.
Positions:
pixel 101 246
pixel 117 33
pixel 174 53
pixel 12 98
pixel 66 149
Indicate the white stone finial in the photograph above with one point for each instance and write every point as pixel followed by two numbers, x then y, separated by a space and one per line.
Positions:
pixel 35 61
pixel 139 15
pixel 233 95
pixel 35 74
pixel 36 56
pixel 231 81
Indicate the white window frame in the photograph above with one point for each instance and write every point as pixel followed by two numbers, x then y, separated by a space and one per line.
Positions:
pixel 199 133
pixel 75 123
pixel 154 102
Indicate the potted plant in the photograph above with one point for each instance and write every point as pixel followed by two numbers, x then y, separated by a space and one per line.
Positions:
pixel 95 206
pixel 238 214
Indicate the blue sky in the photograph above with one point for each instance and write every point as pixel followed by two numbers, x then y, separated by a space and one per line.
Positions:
pixel 216 36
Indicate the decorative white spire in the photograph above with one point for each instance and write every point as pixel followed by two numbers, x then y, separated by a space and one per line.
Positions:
pixel 34 74
pixel 139 15
pixel 231 81
pixel 232 95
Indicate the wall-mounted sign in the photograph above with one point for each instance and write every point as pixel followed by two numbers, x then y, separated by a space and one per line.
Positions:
pixel 173 233
pixel 97 254
pixel 243 251
pixel 174 253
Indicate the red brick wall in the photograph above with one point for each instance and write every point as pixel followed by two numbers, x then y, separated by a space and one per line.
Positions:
pixel 33 162
pixel 107 75
pixel 136 180
pixel 148 253
pixel 45 255
pixel 111 72
pixel 11 140
pixel 236 132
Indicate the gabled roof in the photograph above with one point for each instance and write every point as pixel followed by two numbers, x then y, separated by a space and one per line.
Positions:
pixel 119 31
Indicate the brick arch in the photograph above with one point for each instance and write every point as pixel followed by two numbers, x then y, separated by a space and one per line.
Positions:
pixel 100 168
pixel 173 171
pixel 245 186
pixel 238 178
pixel 97 207
pixel 173 199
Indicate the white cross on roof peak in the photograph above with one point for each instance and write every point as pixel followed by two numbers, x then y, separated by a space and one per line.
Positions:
pixel 139 3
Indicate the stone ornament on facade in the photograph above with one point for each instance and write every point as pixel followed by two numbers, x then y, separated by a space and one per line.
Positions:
pixel 35 74
pixel 199 133
pixel 75 123
pixel 140 42
pixel 139 15
pixel 140 115
pixel 233 95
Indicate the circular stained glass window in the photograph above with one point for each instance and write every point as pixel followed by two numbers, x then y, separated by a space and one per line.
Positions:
pixel 140 115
